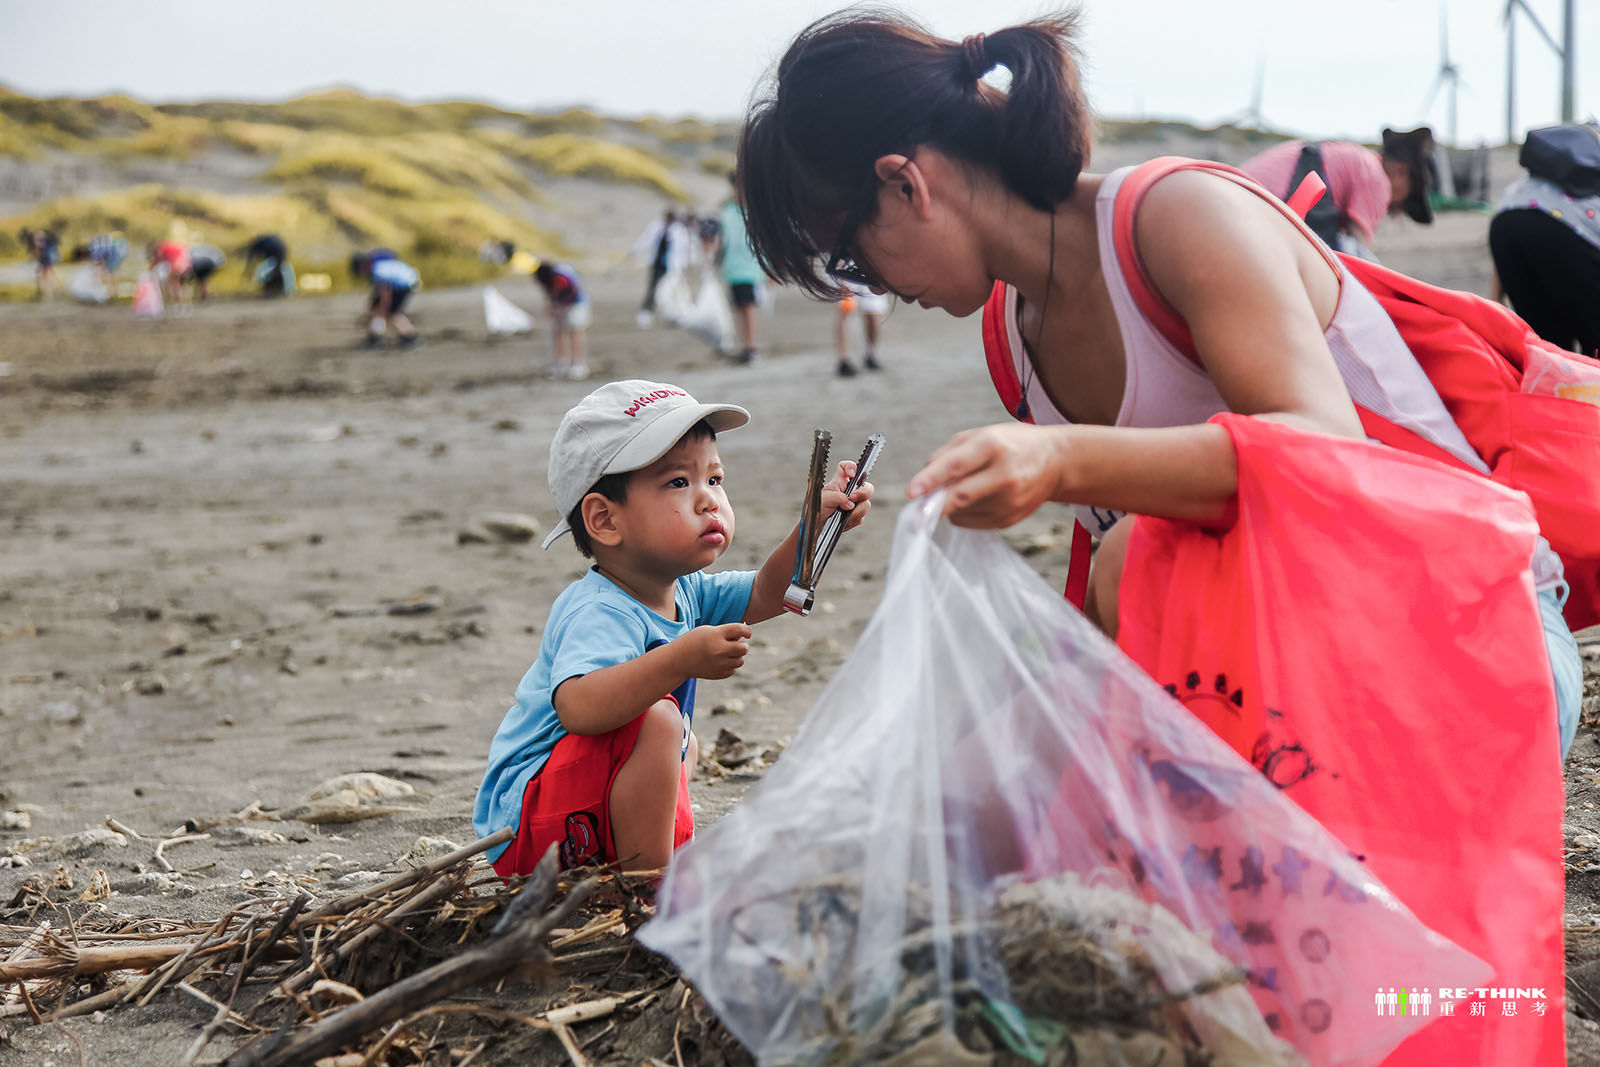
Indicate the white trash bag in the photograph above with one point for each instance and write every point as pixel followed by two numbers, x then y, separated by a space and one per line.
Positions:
pixel 995 840
pixel 502 316
pixel 674 298
pixel 87 287
pixel 709 318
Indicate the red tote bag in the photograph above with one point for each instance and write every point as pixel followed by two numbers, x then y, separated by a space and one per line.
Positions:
pixel 1366 633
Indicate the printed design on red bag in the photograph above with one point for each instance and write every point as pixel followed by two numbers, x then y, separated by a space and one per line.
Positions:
pixel 1263 931
pixel 582 842
pixel 1217 695
pixel 1284 761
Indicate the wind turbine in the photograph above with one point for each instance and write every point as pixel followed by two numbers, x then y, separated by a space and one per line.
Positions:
pixel 1449 74
pixel 1565 53
pixel 1254 115
pixel 1251 117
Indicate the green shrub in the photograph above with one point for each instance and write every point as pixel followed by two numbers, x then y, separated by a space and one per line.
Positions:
pixel 343 158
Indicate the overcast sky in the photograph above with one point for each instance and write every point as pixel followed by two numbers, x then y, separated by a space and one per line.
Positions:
pixel 1343 68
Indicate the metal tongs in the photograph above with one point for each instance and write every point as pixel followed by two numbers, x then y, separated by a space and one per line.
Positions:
pixel 816 546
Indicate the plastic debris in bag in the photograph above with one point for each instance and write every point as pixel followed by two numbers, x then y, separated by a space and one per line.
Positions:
pixel 502 316
pixel 995 840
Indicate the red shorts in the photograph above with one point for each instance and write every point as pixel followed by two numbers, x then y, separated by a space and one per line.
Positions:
pixel 569 801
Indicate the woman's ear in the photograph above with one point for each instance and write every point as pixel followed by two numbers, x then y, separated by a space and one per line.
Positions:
pixel 600 520
pixel 906 181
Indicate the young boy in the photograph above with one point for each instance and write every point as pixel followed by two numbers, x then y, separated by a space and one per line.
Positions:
pixel 597 751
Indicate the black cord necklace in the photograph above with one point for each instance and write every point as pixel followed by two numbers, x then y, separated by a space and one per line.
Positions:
pixel 1023 411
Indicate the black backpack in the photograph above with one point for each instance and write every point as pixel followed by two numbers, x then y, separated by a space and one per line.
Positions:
pixel 1567 155
pixel 1324 218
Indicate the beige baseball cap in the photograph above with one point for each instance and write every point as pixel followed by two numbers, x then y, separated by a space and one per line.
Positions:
pixel 621 427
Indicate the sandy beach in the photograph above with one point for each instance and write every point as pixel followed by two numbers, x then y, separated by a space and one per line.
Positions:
pixel 234 568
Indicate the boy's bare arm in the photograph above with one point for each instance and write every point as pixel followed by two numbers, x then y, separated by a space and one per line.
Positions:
pixel 772 580
pixel 603 700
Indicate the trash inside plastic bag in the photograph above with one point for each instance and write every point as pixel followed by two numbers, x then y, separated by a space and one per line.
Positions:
pixel 995 840
pixel 501 316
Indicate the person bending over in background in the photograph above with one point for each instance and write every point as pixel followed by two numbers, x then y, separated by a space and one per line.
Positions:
pixel 169 262
pixel 204 261
pixel 393 281
pixel 273 275
pixel 1363 185
pixel 1545 241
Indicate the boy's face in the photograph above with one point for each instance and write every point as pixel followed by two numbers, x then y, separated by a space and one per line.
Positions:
pixel 677 518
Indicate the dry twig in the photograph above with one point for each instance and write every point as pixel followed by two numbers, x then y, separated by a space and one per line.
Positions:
pixel 517 940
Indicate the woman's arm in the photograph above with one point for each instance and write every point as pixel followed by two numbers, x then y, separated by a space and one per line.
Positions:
pixel 998 475
pixel 1255 293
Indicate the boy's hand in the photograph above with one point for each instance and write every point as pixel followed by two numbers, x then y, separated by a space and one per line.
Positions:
pixel 715 651
pixel 857 503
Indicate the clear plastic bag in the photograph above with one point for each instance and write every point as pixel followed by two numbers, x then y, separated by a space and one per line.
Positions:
pixel 501 317
pixel 995 840
pixel 709 318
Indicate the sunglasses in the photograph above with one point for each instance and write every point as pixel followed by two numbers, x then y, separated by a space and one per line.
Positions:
pixel 842 264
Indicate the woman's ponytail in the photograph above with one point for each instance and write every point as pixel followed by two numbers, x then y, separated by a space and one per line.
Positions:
pixel 860 84
pixel 1042 134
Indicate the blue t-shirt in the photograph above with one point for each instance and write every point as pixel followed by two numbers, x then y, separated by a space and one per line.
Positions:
pixel 593 624
pixel 395 273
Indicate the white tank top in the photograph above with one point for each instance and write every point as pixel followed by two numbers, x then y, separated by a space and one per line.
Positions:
pixel 1163 387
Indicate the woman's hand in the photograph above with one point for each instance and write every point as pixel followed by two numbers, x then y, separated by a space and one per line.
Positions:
pixel 995 476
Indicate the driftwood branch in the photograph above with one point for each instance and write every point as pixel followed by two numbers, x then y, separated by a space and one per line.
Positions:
pixel 416 874
pixel 517 940
pixel 72 961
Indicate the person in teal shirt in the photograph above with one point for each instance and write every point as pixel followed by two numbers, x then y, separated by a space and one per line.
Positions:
pixel 743 275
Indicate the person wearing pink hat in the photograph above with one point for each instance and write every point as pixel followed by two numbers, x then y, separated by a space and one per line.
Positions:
pixel 596 753
pixel 1363 185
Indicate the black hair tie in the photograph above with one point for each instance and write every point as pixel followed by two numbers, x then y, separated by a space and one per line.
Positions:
pixel 976 57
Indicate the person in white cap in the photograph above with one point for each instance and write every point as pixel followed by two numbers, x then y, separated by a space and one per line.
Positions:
pixel 597 751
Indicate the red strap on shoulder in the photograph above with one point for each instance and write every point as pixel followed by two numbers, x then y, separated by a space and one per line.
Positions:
pixel 1124 217
pixel 997 352
pixel 1003 373
pixel 1129 195
pixel 1077 590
